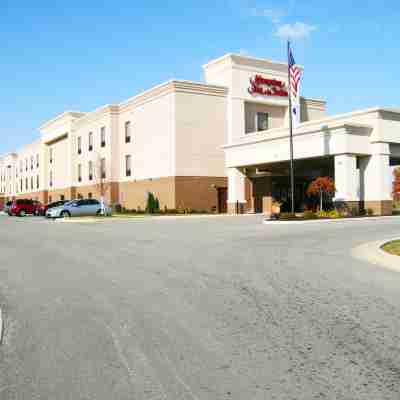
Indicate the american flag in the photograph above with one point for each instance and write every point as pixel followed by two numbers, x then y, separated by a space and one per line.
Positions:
pixel 294 77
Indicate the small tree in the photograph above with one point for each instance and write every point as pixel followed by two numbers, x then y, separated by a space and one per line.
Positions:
pixel 396 184
pixel 319 187
pixel 152 204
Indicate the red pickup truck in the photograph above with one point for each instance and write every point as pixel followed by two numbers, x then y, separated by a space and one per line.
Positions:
pixel 23 207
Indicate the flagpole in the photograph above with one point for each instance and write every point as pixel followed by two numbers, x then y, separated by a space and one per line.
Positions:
pixel 291 132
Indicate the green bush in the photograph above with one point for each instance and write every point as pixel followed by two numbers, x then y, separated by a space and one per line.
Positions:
pixel 323 214
pixel 152 204
pixel 117 208
pixel 309 215
pixel 334 214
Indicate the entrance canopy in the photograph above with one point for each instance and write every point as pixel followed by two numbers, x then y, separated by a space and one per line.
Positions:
pixel 361 146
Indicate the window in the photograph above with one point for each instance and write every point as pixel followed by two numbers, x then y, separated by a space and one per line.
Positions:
pixel 31 182
pixel 20 166
pixel 26 184
pixel 103 136
pixel 79 172
pixel 262 121
pixel 90 170
pixel 62 197
pixel 21 188
pixel 103 168
pixel 26 164
pixel 79 197
pixel 51 155
pixel 37 160
pixel 50 199
pixel 51 179
pixel 127 131
pixel 128 170
pixel 90 141
pixel 37 181
pixel 90 195
pixel 79 145
pixel 31 162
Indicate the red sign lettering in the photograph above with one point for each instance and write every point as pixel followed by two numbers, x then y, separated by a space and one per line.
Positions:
pixel 267 87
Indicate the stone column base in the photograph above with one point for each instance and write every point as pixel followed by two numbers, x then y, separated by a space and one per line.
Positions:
pixel 236 208
pixel 267 205
pixel 252 205
pixel 380 207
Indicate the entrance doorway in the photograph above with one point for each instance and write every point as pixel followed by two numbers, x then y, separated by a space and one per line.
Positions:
pixel 222 200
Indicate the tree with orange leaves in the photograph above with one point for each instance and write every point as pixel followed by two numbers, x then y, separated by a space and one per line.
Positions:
pixel 396 184
pixel 320 186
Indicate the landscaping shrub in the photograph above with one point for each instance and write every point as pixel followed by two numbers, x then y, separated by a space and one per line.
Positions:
pixel 117 208
pixel 309 215
pixel 323 214
pixel 152 205
pixel 334 214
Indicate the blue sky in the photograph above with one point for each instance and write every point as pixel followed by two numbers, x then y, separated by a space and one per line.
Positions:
pixel 79 55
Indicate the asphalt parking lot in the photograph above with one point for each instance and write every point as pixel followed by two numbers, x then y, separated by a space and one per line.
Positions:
pixel 196 308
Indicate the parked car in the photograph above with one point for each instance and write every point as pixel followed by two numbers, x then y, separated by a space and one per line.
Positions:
pixel 7 206
pixel 75 208
pixel 23 207
pixel 43 209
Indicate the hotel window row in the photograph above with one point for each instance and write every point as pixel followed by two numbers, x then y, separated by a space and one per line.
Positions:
pixel 90 140
pixel 103 173
pixel 32 185
pixel 34 162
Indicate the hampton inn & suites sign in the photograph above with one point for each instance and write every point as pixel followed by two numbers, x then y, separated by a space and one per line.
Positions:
pixel 267 87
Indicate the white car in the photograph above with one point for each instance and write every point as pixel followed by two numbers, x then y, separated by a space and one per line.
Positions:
pixel 77 208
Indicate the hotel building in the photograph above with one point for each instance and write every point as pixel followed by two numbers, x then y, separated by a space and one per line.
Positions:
pixel 218 145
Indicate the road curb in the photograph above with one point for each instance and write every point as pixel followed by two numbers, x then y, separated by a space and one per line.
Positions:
pixel 373 253
pixel 322 221
pixel 1 326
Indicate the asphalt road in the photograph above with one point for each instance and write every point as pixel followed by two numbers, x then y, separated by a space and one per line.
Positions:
pixel 218 308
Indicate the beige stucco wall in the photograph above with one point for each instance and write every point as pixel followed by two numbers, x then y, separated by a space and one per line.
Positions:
pixel 276 115
pixel 200 128
pixel 312 109
pixel 60 167
pixel 152 138
pixel 24 157
pixel 93 123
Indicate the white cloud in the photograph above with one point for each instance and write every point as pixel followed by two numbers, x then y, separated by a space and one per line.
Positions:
pixel 296 31
pixel 274 15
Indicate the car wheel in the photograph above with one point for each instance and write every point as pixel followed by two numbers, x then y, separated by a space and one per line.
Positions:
pixel 65 214
pixel 22 213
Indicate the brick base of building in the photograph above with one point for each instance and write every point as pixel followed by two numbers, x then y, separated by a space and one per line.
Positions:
pixel 175 192
pixel 379 207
